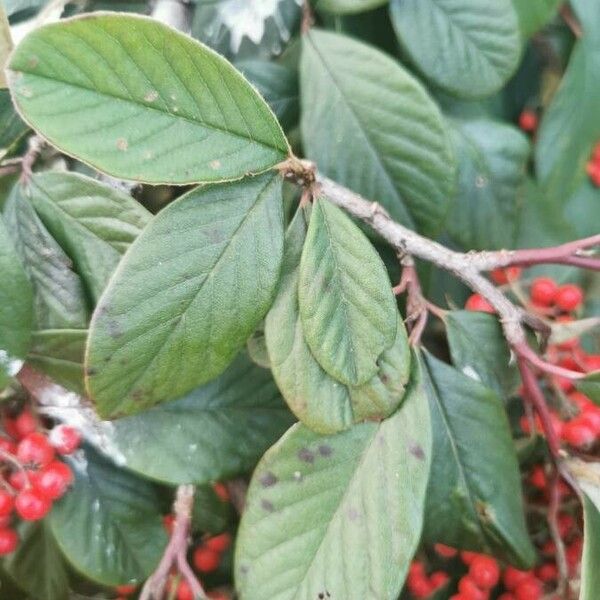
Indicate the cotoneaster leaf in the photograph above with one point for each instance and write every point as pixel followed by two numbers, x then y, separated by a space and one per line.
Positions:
pixel 344 7
pixel 313 520
pixel 347 307
pixel 189 292
pixel 140 101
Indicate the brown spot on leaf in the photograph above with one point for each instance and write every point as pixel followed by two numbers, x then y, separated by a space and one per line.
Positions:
pixel 122 144
pixel 33 61
pixel 91 371
pixel 267 505
pixel 325 450
pixel 417 451
pixel 268 479
pixel 305 455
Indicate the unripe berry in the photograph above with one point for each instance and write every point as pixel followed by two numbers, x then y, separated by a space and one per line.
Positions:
pixel 218 543
pixel 31 506
pixel 479 303
pixel 7 503
pixel 65 439
pixel 206 560
pixel 35 449
pixel 543 291
pixel 569 297
pixel 53 480
pixel 485 572
pixel 9 540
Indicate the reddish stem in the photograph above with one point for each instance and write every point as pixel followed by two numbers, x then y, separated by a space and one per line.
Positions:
pixel 523 350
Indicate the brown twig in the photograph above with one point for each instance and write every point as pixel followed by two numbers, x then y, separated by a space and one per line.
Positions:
pixel 176 552
pixel 417 310
pixel 566 12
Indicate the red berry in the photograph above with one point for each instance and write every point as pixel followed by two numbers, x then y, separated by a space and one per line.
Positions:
pixel 548 572
pixel 470 590
pixel 593 171
pixel 7 445
pixel 573 553
pixel 565 525
pixel 537 478
pixel 578 434
pixel 206 560
pixel 592 362
pixel 125 590
pixel 569 297
pixel 5 522
pixel 9 540
pixel 10 427
pixel 543 291
pixel 31 506
pixel 168 523
pixel 53 480
pixel 7 503
pixel 530 589
pixel 218 543
pixel 65 439
pixel 25 424
pixel 420 587
pixel 439 579
pixel 184 591
pixel 445 551
pixel 485 572
pixel 528 120
pixel 591 418
pixel 18 479
pixel 468 557
pixel 513 577
pixel 35 449
pixel 221 491
pixel 479 303
pixel 507 275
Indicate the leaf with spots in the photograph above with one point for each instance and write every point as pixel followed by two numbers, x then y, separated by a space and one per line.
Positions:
pixel 140 101
pixel 108 525
pixel 468 48
pixel 218 431
pixel 313 525
pixel 94 223
pixel 474 499
pixel 321 402
pixel 187 295
pixel 347 307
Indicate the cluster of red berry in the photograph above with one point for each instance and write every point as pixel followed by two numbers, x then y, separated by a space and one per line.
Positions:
pixel 31 476
pixel 593 166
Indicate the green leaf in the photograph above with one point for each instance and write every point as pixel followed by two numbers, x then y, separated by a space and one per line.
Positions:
pixel 109 525
pixel 346 302
pixel 345 7
pixel 590 386
pixel 580 209
pixel 16 308
pixel 534 14
pixel 396 152
pixel 314 522
pixel 190 291
pixel 93 222
pixel 12 128
pixel 321 402
pixel 479 351
pixel 278 85
pixel 136 99
pixel 492 161
pixel 37 565
pixel 561 159
pixel 210 514
pixel 218 431
pixel 6 44
pixel 469 48
pixel 59 354
pixel 474 499
pixel 58 294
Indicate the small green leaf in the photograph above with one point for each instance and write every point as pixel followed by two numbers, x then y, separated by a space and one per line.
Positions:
pixel 12 128
pixel 321 402
pixel 387 141
pixel 534 14
pixel 346 302
pixel 190 291
pixel 210 514
pixel 479 351
pixel 469 48
pixel 109 525
pixel 93 222
pixel 59 354
pixel 37 565
pixel 58 294
pixel 16 308
pixel 346 7
pixel 218 431
pixel 136 99
pixel 492 158
pixel 313 521
pixel 590 386
pixel 474 499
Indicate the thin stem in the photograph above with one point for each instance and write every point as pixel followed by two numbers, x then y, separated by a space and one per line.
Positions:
pixel 561 557
pixel 528 354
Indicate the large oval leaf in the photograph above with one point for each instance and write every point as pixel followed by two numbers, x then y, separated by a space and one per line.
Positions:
pixel 346 302
pixel 216 432
pixel 467 47
pixel 186 296
pixel 321 402
pixel 313 523
pixel 474 499
pixel 94 223
pixel 16 308
pixel 387 140
pixel 141 101
pixel 109 524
